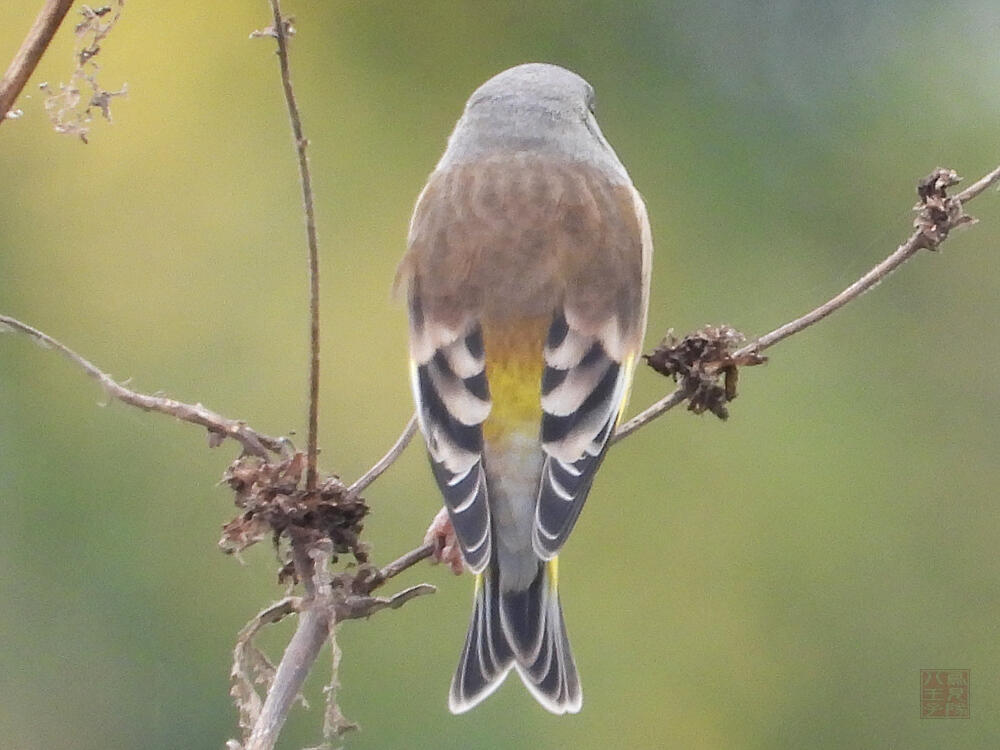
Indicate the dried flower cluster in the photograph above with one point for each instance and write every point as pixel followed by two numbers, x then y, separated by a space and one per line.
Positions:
pixel 65 106
pixel 705 365
pixel 275 504
pixel 937 212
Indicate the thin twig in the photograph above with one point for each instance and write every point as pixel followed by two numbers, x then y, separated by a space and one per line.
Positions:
pixel 308 638
pixel 903 253
pixel 647 415
pixel 408 560
pixel 359 607
pixel 316 623
pixel 979 186
pixel 219 427
pixel 875 276
pixel 387 460
pixel 31 51
pixel 281 28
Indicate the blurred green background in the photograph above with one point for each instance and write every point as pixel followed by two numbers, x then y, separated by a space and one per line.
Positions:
pixel 776 581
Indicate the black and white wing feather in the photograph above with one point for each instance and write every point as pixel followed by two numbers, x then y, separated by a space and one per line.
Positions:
pixel 452 395
pixel 583 392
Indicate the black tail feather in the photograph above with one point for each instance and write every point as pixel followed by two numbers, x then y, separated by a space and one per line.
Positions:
pixel 486 658
pixel 523 629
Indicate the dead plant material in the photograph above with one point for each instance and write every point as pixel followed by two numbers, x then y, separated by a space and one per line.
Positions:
pixel 937 212
pixel 276 504
pixel 251 667
pixel 705 365
pixel 71 106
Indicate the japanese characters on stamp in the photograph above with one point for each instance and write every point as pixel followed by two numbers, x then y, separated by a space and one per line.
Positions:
pixel 944 693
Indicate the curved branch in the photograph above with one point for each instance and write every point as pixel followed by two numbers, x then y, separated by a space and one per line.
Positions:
pixel 979 186
pixel 218 426
pixel 387 460
pixel 917 241
pixel 361 607
pixel 408 560
pixel 31 51
pixel 932 229
pixel 646 416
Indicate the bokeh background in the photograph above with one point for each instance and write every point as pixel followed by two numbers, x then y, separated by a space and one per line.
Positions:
pixel 776 581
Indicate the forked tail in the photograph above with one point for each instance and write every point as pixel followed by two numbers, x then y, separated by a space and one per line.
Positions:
pixel 523 630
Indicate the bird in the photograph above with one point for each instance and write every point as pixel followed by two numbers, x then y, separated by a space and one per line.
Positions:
pixel 526 281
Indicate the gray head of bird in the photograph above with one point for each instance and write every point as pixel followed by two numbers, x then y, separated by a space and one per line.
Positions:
pixel 535 108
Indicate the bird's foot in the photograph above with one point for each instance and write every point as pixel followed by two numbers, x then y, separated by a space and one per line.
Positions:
pixel 446 548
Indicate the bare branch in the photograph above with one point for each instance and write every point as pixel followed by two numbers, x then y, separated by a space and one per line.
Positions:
pixel 314 629
pixel 219 427
pixel 387 460
pixel 937 215
pixel 408 560
pixel 316 624
pixel 646 416
pixel 920 239
pixel 281 30
pixel 353 589
pixel 329 600
pixel 979 186
pixel 30 53
pixel 311 556
pixel 357 607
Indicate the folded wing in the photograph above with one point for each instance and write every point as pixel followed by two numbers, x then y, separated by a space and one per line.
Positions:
pixel 453 400
pixel 583 393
